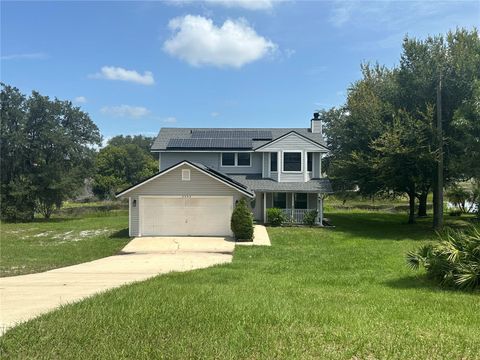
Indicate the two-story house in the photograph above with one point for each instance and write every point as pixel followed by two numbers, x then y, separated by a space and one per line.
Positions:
pixel 204 171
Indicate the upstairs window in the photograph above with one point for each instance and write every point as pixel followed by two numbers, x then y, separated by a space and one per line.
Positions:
pixel 292 161
pixel 301 201
pixel 228 159
pixel 309 161
pixel 280 200
pixel 273 161
pixel 243 159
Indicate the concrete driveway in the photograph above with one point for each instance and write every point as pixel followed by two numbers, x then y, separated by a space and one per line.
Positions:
pixel 27 296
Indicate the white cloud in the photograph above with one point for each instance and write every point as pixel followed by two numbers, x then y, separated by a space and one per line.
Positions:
pixel 198 41
pixel 170 119
pixel 118 73
pixel 80 100
pixel 214 114
pixel 31 56
pixel 125 111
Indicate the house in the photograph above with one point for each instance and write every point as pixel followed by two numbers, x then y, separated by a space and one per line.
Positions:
pixel 204 171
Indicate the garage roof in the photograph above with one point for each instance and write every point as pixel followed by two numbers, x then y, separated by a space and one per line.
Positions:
pixel 244 189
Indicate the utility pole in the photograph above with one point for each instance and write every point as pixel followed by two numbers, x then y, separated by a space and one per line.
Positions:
pixel 438 191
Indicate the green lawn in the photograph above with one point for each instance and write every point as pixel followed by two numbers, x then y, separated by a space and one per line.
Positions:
pixel 43 245
pixel 342 293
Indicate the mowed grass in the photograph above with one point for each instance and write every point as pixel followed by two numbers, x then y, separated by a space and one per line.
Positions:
pixel 47 244
pixel 342 293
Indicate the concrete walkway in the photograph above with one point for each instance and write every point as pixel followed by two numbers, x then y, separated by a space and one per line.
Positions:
pixel 27 296
pixel 260 237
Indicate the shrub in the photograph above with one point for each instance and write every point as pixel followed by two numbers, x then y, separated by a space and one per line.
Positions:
pixel 454 261
pixel 455 212
pixel 310 217
pixel 242 221
pixel 275 216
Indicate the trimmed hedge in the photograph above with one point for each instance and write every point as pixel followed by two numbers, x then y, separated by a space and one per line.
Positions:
pixel 242 221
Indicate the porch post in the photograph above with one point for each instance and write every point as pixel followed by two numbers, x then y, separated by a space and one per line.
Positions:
pixel 320 210
pixel 293 203
pixel 320 165
pixel 264 207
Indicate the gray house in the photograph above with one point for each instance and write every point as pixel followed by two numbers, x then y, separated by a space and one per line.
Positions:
pixel 204 171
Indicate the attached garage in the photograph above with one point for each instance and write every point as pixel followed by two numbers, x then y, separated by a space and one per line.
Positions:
pixel 194 215
pixel 186 199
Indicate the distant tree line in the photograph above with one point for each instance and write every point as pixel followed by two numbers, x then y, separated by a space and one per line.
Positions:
pixel 384 140
pixel 49 147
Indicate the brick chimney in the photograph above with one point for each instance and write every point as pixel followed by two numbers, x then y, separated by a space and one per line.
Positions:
pixel 316 123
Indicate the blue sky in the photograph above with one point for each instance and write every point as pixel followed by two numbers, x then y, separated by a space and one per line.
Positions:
pixel 138 66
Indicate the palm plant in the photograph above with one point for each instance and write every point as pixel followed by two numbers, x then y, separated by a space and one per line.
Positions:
pixel 453 261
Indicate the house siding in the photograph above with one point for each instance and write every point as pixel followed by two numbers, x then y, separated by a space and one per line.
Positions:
pixel 212 160
pixel 171 184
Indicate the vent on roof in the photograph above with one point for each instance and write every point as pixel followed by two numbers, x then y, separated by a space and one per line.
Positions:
pixel 209 144
pixel 232 134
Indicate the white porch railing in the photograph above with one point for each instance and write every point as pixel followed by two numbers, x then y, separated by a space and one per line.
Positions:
pixel 296 215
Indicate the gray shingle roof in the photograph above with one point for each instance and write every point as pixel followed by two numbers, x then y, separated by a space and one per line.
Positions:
pixel 166 134
pixel 256 183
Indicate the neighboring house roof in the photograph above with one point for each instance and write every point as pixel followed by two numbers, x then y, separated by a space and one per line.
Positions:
pixel 244 189
pixel 257 183
pixel 188 139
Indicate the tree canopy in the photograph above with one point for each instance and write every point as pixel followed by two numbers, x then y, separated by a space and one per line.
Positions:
pixel 384 137
pixel 47 149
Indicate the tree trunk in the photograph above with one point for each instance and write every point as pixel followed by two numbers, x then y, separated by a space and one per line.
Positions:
pixel 422 204
pixel 411 208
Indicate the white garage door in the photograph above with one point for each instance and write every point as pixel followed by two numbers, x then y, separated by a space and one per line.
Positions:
pixel 186 215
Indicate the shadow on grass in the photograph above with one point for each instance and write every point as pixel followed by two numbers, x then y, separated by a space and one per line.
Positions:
pixel 120 234
pixel 423 282
pixel 40 220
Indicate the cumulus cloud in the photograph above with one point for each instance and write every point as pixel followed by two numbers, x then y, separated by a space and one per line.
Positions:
pixel 125 111
pixel 80 100
pixel 170 120
pixel 121 74
pixel 198 41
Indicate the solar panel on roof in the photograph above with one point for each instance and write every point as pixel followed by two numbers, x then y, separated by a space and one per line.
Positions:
pixel 209 144
pixel 232 134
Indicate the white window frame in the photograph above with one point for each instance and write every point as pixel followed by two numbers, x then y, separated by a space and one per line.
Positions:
pixel 301 161
pixel 242 152
pixel 185 174
pixel 235 159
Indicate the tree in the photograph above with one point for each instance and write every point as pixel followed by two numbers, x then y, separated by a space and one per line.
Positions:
pixel 453 59
pixel 144 142
pixel 121 166
pixel 404 156
pixel 46 152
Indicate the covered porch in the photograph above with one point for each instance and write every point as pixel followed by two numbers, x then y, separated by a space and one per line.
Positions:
pixel 294 205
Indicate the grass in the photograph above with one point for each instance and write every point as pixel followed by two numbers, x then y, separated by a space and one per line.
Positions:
pixel 343 293
pixel 47 244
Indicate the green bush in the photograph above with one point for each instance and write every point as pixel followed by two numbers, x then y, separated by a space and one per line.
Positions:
pixel 275 216
pixel 310 217
pixel 242 221
pixel 454 261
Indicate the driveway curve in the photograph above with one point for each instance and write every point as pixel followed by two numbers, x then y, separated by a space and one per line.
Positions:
pixel 27 296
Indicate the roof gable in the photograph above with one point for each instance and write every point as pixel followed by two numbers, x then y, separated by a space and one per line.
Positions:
pixel 292 141
pixel 224 179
